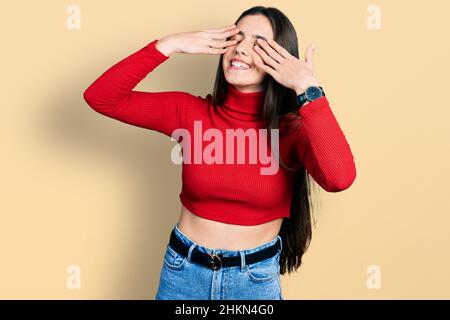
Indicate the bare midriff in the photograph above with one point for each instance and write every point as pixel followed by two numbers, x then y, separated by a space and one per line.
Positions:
pixel 218 235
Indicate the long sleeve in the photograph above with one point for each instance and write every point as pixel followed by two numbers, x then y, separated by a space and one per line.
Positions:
pixel 112 94
pixel 322 147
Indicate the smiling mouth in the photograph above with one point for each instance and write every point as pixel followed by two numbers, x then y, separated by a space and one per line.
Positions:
pixel 236 68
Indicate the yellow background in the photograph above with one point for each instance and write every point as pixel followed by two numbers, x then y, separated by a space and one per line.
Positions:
pixel 82 189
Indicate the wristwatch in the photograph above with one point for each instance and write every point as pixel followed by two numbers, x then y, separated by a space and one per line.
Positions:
pixel 312 93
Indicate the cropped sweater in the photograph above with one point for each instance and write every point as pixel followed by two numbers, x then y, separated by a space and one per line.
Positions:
pixel 233 191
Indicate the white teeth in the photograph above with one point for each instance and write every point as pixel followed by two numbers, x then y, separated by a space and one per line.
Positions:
pixel 240 64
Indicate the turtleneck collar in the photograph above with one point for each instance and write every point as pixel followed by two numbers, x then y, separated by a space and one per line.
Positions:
pixel 244 105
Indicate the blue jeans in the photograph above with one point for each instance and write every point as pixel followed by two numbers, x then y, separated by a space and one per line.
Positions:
pixel 181 279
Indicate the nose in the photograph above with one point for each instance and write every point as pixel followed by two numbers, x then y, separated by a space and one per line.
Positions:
pixel 244 47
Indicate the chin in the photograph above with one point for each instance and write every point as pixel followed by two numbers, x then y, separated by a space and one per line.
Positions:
pixel 243 82
pixel 240 82
pixel 242 79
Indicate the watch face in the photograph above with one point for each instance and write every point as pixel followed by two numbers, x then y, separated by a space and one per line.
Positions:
pixel 313 93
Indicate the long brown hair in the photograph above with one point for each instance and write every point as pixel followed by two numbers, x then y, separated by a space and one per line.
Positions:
pixel 296 231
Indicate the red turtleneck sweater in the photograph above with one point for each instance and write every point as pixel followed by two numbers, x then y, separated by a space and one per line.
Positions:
pixel 233 192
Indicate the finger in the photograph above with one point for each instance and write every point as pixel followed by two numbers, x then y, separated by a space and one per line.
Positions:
pixel 265 68
pixel 221 29
pixel 266 58
pixel 224 34
pixel 210 50
pixel 256 57
pixel 221 44
pixel 309 54
pixel 282 51
pixel 270 51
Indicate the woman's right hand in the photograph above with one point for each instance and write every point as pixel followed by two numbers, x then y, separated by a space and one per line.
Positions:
pixel 208 41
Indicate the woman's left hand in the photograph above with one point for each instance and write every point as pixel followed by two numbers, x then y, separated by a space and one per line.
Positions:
pixel 284 67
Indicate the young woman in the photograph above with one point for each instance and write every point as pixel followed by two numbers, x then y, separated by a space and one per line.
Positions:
pixel 239 229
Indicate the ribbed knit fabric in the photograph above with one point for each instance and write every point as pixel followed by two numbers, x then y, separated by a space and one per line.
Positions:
pixel 234 193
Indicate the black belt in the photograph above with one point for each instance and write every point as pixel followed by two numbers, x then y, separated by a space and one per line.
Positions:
pixel 217 261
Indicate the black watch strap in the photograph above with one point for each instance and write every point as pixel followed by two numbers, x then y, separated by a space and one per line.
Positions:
pixel 302 99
